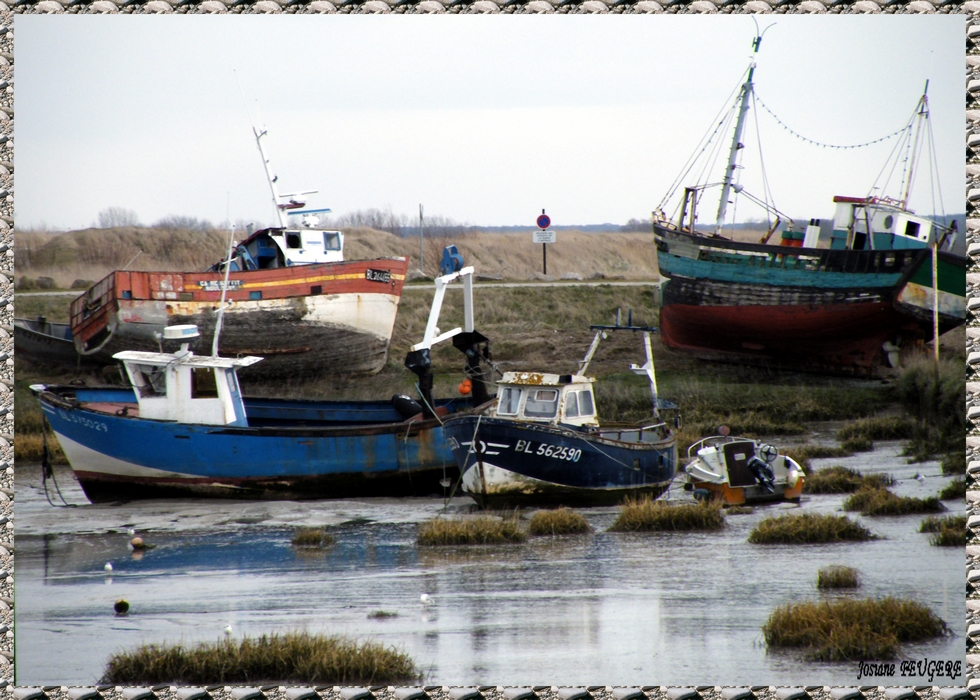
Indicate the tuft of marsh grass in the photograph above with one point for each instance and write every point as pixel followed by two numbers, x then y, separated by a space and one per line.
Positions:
pixel 295 657
pixel 478 530
pixel 946 532
pixel 954 463
pixel 312 537
pixel 808 528
pixel 838 479
pixel 560 521
pixel 647 514
pixel 848 630
pixel 879 501
pixel 954 489
pixel 935 396
pixel 877 428
pixel 837 576
pixel 857 444
pixel 381 615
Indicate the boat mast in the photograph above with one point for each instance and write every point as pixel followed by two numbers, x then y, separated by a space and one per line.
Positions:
pixel 280 213
pixel 923 113
pixel 736 140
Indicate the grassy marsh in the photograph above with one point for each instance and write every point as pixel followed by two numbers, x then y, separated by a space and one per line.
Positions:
pixel 294 657
pixel 852 630
pixel 312 537
pixel 465 531
pixel 949 531
pixel 838 576
pixel 647 514
pixel 560 521
pixel 838 479
pixel 879 501
pixel 808 528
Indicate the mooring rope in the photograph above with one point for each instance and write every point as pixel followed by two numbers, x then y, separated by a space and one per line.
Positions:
pixel 47 471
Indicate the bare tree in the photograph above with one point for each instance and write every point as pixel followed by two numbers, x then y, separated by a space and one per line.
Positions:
pixel 115 217
pixel 183 223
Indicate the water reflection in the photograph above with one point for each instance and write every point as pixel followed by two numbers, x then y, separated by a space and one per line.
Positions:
pixel 627 609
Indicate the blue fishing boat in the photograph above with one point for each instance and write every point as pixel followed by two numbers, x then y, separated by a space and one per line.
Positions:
pixel 182 428
pixel 540 442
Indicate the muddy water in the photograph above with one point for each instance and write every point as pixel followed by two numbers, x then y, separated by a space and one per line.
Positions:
pixel 599 609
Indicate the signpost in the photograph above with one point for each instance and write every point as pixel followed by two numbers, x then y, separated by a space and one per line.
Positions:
pixel 544 236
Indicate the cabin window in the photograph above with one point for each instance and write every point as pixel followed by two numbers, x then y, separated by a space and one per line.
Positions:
pixel 509 400
pixel 150 380
pixel 331 241
pixel 293 240
pixel 585 406
pixel 571 405
pixel 203 383
pixel 912 229
pixel 541 403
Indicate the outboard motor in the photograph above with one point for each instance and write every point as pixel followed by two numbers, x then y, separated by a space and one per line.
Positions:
pixel 763 473
pixel 452 261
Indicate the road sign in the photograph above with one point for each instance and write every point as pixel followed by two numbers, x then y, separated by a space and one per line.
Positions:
pixel 544 221
pixel 544 237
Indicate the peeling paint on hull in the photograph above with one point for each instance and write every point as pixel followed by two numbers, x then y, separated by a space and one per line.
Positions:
pixel 306 321
pixel 292 449
pixel 508 463
pixel 800 308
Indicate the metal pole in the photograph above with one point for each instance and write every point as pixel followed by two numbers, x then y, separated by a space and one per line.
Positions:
pixel 544 256
pixel 421 266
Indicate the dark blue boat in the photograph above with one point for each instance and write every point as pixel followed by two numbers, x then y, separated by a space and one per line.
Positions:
pixel 540 443
pixel 183 428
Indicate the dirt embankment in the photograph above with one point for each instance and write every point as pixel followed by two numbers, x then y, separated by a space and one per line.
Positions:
pixel 90 254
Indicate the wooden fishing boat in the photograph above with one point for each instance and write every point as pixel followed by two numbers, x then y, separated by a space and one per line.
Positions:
pixel 183 428
pixel 45 342
pixel 294 300
pixel 842 293
pixel 540 442
pixel 738 471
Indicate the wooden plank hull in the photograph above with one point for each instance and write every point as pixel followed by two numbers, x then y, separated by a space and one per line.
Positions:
pixel 801 308
pixel 306 321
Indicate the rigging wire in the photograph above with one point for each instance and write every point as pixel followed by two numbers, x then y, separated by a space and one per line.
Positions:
pixel 819 143
pixel 703 144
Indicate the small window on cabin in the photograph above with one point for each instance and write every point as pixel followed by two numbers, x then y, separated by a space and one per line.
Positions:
pixel 571 404
pixel 203 383
pixel 585 406
pixel 293 240
pixel 541 403
pixel 889 220
pixel 331 241
pixel 150 380
pixel 510 399
pixel 912 229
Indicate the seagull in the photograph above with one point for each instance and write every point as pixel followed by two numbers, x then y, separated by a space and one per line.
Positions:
pixel 918 477
pixel 426 600
pixel 228 631
pixel 108 566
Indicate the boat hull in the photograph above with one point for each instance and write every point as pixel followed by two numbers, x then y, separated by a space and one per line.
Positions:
pixel 514 464
pixel 306 321
pixel 47 343
pixel 292 450
pixel 796 307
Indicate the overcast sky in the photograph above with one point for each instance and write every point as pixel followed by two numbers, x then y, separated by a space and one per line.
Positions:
pixel 482 119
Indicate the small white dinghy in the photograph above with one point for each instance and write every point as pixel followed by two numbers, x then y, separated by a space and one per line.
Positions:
pixel 740 470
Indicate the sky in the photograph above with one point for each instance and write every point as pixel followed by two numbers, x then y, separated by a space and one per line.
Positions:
pixel 483 119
